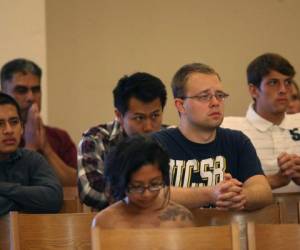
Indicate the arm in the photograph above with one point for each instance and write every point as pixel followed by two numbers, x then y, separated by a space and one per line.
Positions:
pixel 42 191
pixel 36 139
pixel 193 197
pixel 257 192
pixel 6 205
pixel 289 169
pixel 220 195
pixel 91 183
pixel 66 174
pixel 278 180
pixel 256 189
pixel 296 174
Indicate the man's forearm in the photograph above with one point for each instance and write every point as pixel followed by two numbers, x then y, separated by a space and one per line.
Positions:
pixel 6 205
pixel 277 180
pixel 296 180
pixel 66 174
pixel 258 192
pixel 193 197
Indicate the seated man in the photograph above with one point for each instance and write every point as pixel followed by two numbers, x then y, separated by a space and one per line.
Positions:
pixel 275 135
pixel 139 101
pixel 21 79
pixel 210 165
pixel 27 182
pixel 137 174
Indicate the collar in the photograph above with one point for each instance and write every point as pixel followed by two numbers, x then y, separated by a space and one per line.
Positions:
pixel 13 157
pixel 260 123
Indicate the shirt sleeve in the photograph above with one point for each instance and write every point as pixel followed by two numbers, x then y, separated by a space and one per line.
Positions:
pixel 6 205
pixel 249 163
pixel 42 194
pixel 63 146
pixel 91 182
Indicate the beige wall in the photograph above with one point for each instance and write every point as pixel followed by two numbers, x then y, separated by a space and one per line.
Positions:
pixel 92 43
pixel 22 29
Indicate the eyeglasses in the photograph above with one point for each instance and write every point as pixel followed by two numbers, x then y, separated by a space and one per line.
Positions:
pixel 206 97
pixel 13 122
pixel 152 187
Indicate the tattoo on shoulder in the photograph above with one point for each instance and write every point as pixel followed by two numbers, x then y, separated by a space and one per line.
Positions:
pixel 174 212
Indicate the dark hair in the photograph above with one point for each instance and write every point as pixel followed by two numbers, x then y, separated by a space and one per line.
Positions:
pixel 19 65
pixel 129 156
pixel 143 86
pixel 263 64
pixel 181 77
pixel 7 99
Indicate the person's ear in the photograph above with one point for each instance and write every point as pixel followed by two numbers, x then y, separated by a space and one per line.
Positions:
pixel 119 116
pixel 179 104
pixel 253 90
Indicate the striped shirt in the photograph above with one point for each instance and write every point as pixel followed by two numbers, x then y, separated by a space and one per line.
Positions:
pixel 270 140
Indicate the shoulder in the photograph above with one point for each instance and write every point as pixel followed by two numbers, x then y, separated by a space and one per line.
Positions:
pixel 105 130
pixel 165 133
pixel 56 131
pixel 108 217
pixel 232 134
pixel 235 122
pixel 292 121
pixel 177 213
pixel 30 156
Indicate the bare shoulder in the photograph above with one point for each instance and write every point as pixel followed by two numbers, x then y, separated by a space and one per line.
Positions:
pixel 177 214
pixel 108 216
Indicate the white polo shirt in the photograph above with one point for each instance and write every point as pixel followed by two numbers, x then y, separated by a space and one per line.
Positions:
pixel 269 140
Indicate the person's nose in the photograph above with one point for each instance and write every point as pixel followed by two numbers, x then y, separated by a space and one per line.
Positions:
pixel 283 88
pixel 8 128
pixel 148 125
pixel 30 96
pixel 214 101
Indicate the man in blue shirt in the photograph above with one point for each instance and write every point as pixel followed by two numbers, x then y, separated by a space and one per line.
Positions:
pixel 210 165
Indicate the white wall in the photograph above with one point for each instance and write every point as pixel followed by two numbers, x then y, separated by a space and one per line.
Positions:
pixel 92 43
pixel 22 32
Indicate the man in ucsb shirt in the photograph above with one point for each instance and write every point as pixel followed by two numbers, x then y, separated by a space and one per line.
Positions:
pixel 210 165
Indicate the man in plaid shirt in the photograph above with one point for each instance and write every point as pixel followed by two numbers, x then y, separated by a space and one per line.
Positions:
pixel 139 100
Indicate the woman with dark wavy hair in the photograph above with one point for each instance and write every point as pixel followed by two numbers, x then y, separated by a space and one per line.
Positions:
pixel 137 173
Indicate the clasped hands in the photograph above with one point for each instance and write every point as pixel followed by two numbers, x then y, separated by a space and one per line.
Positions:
pixel 229 195
pixel 34 131
pixel 289 166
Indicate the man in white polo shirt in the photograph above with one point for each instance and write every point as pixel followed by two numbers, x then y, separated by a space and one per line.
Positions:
pixel 275 135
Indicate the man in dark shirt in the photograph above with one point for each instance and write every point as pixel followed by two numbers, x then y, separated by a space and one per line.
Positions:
pixel 27 182
pixel 21 79
pixel 210 165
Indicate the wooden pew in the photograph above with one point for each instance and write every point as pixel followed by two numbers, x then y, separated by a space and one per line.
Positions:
pixel 190 238
pixel 71 202
pixel 4 232
pixel 289 201
pixel 273 236
pixel 214 217
pixel 50 231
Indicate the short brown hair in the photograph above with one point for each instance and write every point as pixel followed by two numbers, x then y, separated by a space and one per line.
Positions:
pixel 181 76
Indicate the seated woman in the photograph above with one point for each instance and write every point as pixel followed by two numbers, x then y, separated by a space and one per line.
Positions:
pixel 137 173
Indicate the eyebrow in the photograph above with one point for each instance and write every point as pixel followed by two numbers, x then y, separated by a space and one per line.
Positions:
pixel 155 111
pixel 142 183
pixel 10 118
pixel 208 91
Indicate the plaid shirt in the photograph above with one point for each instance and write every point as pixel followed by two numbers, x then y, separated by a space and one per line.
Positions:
pixel 94 144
